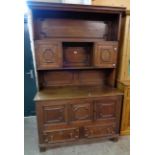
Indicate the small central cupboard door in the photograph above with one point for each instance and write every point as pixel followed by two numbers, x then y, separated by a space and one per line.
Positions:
pixel 48 54
pixel 105 55
pixel 81 111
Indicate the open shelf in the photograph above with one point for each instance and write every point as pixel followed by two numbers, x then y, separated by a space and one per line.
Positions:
pixel 77 68
pixel 71 92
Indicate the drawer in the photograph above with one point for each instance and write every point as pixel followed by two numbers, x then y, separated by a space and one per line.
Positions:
pixel 105 55
pixel 62 135
pixel 93 131
pixel 48 54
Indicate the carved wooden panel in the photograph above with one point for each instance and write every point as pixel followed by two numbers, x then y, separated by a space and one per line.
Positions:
pixel 81 111
pixel 104 109
pixel 52 78
pixel 91 77
pixel 61 135
pixel 93 131
pixel 48 54
pixel 55 114
pixel 76 56
pixel 71 28
pixel 65 78
pixel 105 55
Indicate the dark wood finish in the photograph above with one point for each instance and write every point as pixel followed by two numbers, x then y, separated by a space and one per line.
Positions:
pixel 71 28
pixel 99 130
pixel 81 111
pixel 75 92
pixel 83 119
pixel 77 54
pixel 105 55
pixel 79 78
pixel 48 54
pixel 76 48
pixel 75 8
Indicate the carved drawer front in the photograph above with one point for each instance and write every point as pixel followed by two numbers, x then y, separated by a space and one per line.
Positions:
pixel 99 131
pixel 105 55
pixel 81 111
pixel 55 114
pixel 48 54
pixel 104 109
pixel 61 135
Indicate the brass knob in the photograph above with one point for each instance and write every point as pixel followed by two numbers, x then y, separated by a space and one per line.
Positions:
pixel 75 52
pixel 115 49
pixel 114 64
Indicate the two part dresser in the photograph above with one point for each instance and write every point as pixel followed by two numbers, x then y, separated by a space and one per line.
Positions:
pixel 76 57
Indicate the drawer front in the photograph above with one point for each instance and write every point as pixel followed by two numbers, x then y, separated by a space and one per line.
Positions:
pixel 105 55
pixel 48 54
pixel 81 111
pixel 63 135
pixel 76 56
pixel 104 108
pixel 99 131
pixel 55 114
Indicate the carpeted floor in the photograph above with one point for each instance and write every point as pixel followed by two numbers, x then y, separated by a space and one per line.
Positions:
pixel 122 147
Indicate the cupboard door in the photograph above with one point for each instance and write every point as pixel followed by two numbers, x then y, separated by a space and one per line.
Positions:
pixel 99 131
pixel 81 111
pixel 48 54
pixel 55 114
pixel 105 55
pixel 104 108
pixel 62 135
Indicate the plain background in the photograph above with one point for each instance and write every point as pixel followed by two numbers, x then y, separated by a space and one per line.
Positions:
pixel 142 77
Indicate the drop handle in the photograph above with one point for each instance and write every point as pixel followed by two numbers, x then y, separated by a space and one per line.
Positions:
pixel 30 73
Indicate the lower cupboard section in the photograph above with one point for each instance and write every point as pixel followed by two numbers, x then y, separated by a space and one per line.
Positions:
pixel 69 121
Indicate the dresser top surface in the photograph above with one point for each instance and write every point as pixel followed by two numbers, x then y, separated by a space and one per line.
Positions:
pixel 74 92
pixel 74 7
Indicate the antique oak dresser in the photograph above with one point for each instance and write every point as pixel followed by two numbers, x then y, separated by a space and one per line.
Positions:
pixel 76 51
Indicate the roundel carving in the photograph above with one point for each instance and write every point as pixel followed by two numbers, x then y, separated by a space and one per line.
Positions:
pixel 48 55
pixel 105 55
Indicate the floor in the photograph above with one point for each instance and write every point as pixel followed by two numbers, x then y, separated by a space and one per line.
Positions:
pixel 122 147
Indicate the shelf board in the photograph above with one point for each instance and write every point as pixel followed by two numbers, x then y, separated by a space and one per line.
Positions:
pixel 76 39
pixel 72 92
pixel 76 68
